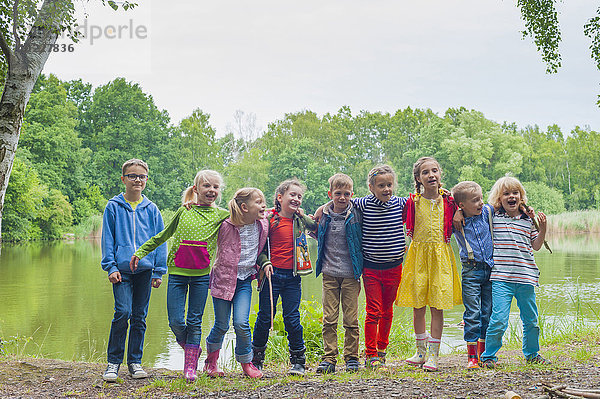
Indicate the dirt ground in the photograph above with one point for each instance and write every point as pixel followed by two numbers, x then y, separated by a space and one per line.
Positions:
pixel 576 365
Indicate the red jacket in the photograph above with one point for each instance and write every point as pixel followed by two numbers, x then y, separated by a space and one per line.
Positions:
pixel 408 215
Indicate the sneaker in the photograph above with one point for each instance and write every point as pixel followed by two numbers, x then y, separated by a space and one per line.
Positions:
pixel 326 368
pixel 538 359
pixel 136 371
pixel 111 373
pixel 488 364
pixel 297 369
pixel 352 365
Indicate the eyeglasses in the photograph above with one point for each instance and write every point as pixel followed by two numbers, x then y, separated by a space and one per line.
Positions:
pixel 134 177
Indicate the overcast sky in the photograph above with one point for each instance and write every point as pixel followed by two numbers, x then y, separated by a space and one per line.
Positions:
pixel 270 58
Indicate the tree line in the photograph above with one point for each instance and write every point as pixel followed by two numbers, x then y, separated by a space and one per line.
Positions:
pixel 74 139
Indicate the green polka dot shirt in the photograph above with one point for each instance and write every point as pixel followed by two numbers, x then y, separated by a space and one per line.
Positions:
pixel 200 223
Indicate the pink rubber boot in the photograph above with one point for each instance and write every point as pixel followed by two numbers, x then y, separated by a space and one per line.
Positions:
pixel 192 353
pixel 251 371
pixel 210 365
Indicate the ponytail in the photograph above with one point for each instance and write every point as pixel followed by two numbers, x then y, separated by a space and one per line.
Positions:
pixel 188 195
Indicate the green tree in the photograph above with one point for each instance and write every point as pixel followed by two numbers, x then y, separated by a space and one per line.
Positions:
pixel 23 197
pixel 89 202
pixel 55 215
pixel 50 136
pixel 543 198
pixel 28 30
pixel 121 123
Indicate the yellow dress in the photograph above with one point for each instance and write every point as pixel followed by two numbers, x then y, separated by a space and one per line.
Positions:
pixel 429 275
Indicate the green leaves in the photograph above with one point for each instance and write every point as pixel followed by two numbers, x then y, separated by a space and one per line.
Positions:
pixel 541 24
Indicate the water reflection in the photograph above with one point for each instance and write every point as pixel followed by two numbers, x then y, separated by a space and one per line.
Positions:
pixel 57 293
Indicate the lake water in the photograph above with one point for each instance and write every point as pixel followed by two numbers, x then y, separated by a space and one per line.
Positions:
pixel 56 301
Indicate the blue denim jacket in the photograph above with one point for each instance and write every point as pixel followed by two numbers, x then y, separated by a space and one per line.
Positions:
pixel 125 230
pixel 353 237
pixel 478 233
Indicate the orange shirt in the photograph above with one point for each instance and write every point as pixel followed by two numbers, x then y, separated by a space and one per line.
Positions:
pixel 281 239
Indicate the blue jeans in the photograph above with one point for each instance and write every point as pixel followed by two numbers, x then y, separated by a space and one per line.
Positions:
pixel 132 296
pixel 187 330
pixel 502 294
pixel 289 288
pixel 477 298
pixel 241 313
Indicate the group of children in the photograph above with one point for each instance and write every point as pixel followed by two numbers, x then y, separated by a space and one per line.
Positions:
pixel 224 250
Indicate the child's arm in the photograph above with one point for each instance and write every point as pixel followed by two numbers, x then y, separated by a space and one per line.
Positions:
pixel 108 262
pixel 263 261
pixel 160 260
pixel 155 241
pixel 458 221
pixel 309 224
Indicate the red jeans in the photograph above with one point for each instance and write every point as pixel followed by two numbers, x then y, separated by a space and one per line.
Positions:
pixel 381 287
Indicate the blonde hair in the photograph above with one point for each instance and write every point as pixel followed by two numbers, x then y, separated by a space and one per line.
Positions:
pixel 283 187
pixel 204 175
pixel 506 183
pixel 378 171
pixel 242 196
pixel 340 180
pixel 132 162
pixel 463 190
pixel 417 171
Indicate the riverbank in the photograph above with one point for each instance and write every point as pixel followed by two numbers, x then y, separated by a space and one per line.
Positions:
pixel 576 363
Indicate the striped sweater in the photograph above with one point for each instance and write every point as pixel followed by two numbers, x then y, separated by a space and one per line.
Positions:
pixel 513 252
pixel 382 232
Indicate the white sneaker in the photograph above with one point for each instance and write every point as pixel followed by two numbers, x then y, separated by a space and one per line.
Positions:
pixel 111 373
pixel 136 371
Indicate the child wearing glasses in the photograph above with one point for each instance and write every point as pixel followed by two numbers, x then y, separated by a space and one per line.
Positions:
pixel 130 219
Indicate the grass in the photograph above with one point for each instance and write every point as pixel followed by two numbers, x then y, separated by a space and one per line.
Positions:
pixel 88 226
pixel 204 384
pixel 575 222
pixel 311 318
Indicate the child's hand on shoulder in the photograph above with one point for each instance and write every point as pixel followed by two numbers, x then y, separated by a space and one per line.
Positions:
pixel 318 214
pixel 188 205
pixel 458 221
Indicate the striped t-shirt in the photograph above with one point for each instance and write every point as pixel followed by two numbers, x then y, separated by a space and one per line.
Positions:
pixel 513 252
pixel 382 231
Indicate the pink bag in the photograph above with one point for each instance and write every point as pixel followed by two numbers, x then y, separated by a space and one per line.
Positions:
pixel 192 255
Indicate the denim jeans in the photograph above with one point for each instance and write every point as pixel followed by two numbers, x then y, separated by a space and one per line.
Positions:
pixel 477 298
pixel 502 294
pixel 187 331
pixel 132 296
pixel 289 288
pixel 241 313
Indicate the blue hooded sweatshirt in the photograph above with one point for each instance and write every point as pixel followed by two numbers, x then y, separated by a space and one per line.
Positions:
pixel 125 230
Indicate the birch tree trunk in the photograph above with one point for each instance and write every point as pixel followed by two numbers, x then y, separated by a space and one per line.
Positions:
pixel 25 63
